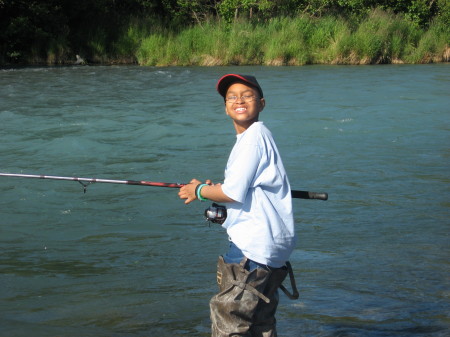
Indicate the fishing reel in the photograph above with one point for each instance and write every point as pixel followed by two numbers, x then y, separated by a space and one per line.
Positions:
pixel 216 213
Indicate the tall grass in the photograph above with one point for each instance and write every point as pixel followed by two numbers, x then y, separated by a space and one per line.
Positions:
pixel 433 46
pixel 379 38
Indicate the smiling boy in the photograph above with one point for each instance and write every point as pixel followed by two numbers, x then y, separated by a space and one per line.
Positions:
pixel 259 220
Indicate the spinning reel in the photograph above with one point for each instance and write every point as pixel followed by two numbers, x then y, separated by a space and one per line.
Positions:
pixel 216 213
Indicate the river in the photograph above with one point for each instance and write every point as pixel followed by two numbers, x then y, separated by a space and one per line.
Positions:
pixel 124 260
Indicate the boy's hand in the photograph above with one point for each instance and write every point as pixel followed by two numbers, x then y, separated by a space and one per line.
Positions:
pixel 212 192
pixel 188 191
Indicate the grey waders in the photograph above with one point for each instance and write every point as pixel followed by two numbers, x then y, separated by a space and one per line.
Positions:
pixel 248 300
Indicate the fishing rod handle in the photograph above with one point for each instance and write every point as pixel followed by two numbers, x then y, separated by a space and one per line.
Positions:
pixel 309 195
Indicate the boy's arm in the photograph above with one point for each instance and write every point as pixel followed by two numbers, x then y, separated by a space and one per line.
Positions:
pixel 211 192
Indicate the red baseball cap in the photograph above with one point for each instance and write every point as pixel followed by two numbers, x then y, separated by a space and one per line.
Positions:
pixel 227 80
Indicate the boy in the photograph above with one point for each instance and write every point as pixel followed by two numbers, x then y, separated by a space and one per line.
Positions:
pixel 259 221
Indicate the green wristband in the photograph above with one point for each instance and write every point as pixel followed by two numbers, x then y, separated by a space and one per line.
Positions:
pixel 198 191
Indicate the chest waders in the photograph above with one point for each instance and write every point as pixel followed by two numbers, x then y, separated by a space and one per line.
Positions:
pixel 247 300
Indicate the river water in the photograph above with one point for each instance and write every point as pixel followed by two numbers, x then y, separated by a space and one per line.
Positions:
pixel 124 260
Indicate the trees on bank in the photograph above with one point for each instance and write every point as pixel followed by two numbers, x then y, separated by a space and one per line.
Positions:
pixel 53 31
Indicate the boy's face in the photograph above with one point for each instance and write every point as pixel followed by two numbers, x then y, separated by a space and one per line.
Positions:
pixel 243 105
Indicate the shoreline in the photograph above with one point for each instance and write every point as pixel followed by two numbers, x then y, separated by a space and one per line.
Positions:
pixel 210 61
pixel 275 63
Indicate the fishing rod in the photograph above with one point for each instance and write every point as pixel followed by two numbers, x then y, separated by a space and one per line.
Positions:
pixel 86 181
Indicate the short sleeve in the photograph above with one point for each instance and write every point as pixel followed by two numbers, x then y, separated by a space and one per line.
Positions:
pixel 241 170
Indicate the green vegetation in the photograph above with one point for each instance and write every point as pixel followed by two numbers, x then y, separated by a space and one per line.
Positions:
pixel 240 32
pixel 379 38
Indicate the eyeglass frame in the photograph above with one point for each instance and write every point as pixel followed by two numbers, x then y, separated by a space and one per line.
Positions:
pixel 244 98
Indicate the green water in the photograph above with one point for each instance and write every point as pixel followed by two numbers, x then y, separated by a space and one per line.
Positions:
pixel 135 261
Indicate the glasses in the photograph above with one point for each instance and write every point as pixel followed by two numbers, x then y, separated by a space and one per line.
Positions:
pixel 232 99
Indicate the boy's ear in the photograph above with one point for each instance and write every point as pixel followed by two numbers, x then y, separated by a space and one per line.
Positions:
pixel 263 104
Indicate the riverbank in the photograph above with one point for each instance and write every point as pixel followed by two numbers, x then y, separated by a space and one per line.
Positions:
pixel 380 38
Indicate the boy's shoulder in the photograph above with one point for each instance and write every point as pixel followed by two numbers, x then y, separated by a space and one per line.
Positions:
pixel 257 126
pixel 256 133
pixel 260 128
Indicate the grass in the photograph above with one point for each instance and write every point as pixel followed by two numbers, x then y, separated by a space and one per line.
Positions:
pixel 380 37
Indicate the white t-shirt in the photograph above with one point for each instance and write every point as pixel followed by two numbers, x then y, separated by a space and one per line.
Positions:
pixel 260 222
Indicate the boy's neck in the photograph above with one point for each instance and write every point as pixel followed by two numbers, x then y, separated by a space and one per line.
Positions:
pixel 241 128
